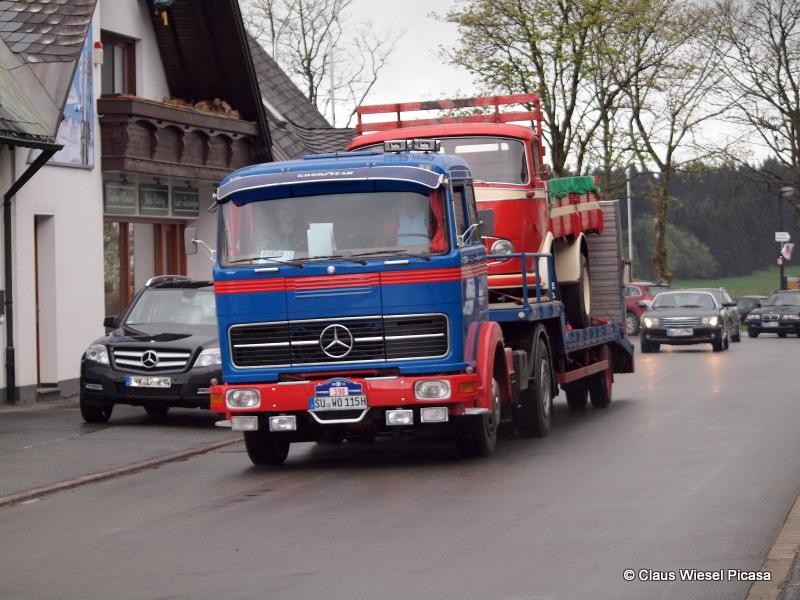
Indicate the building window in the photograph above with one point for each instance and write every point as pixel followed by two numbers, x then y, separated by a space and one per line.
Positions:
pixel 119 64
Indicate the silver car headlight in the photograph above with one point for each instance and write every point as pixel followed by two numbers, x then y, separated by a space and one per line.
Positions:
pixel 502 247
pixel 712 321
pixel 208 358
pixel 650 322
pixel 97 353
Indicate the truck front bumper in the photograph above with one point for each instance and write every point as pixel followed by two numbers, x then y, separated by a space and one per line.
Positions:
pixel 384 395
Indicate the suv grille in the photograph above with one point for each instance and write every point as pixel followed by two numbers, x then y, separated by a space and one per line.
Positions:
pixel 149 360
pixel 347 340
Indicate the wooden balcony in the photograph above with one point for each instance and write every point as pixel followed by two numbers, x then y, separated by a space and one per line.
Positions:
pixel 143 136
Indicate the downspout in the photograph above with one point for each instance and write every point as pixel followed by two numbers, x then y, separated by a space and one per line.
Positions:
pixel 48 150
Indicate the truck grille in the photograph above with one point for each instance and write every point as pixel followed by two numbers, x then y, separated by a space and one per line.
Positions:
pixel 148 360
pixel 347 340
pixel 680 322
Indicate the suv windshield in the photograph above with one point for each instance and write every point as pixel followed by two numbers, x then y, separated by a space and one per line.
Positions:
pixel 186 307
pixel 783 299
pixel 334 226
pixel 667 300
pixel 490 159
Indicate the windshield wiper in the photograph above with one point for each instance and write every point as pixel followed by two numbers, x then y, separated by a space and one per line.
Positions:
pixel 422 255
pixel 250 259
pixel 334 257
pixel 690 306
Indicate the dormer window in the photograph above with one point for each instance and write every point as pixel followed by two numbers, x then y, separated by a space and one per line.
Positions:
pixel 119 64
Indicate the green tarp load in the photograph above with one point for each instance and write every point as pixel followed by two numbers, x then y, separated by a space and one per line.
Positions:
pixel 561 187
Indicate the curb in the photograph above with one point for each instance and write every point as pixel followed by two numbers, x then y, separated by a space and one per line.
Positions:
pixel 111 473
pixel 780 560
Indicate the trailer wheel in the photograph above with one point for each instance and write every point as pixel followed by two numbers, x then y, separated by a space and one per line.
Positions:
pixel 266 448
pixel 577 395
pixel 600 384
pixel 577 298
pixel 534 409
pixel 477 434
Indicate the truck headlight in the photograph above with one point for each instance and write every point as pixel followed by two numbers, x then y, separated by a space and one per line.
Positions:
pixel 712 321
pixel 243 398
pixel 502 247
pixel 434 389
pixel 208 358
pixel 97 353
pixel 650 322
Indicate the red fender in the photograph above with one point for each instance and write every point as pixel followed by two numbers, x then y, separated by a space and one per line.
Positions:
pixel 490 338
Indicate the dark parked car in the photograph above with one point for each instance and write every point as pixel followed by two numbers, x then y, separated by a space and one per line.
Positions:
pixel 636 292
pixel 685 317
pixel 780 313
pixel 729 310
pixel 163 352
pixel 744 304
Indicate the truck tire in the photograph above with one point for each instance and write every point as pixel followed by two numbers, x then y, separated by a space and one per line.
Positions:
pixel 577 395
pixel 477 434
pixel 631 324
pixel 266 448
pixel 600 384
pixel 577 298
pixel 534 408
pixel 95 413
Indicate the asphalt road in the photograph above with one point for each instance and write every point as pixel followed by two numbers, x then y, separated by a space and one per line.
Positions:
pixel 695 465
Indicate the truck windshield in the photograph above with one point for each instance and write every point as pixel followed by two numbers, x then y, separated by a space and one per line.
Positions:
pixel 304 228
pixel 490 159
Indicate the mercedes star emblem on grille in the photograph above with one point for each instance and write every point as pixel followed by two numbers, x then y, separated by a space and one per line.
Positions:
pixel 336 341
pixel 149 359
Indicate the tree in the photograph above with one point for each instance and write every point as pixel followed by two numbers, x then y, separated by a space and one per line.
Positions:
pixel 336 63
pixel 759 48
pixel 670 97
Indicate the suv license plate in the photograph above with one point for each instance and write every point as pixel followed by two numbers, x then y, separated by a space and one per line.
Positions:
pixel 147 382
pixel 770 324
pixel 680 332
pixel 339 402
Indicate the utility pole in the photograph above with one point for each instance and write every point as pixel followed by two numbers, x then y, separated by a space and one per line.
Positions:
pixel 630 217
pixel 333 86
pixel 784 192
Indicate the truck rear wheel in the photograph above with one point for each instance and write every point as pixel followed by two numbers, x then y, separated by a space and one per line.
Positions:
pixel 266 448
pixel 577 298
pixel 600 384
pixel 534 408
pixel 477 434
pixel 577 395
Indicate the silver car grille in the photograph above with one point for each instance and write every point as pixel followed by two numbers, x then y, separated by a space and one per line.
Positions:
pixel 150 360
pixel 681 321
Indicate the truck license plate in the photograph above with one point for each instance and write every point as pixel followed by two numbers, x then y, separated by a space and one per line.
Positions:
pixel 339 403
pixel 146 381
pixel 770 324
pixel 680 332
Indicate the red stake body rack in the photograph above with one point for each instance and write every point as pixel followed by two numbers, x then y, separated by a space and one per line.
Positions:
pixel 398 109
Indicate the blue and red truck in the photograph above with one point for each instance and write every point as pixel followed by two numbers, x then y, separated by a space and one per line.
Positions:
pixel 353 302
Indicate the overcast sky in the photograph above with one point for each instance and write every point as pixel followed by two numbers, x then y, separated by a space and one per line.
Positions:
pixel 415 72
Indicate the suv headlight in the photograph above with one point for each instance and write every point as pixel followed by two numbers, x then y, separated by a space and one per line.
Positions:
pixel 208 358
pixel 650 322
pixel 712 321
pixel 97 353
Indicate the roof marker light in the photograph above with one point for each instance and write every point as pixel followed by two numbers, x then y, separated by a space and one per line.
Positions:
pixel 395 146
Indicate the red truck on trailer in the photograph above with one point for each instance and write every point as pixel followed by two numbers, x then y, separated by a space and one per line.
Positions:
pixel 529 210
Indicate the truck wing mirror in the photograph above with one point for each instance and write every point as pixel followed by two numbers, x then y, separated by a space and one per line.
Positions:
pixel 467 235
pixel 486 220
pixel 190 240
pixel 110 322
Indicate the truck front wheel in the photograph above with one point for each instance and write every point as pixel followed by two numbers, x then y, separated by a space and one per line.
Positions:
pixel 477 434
pixel 534 408
pixel 266 448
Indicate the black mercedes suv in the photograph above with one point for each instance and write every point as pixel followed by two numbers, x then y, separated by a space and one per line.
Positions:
pixel 162 352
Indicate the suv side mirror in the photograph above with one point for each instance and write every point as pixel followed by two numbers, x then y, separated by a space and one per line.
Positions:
pixel 729 304
pixel 645 304
pixel 190 240
pixel 111 322
pixel 486 219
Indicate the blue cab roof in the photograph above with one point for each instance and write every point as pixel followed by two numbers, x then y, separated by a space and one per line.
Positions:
pixel 413 168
